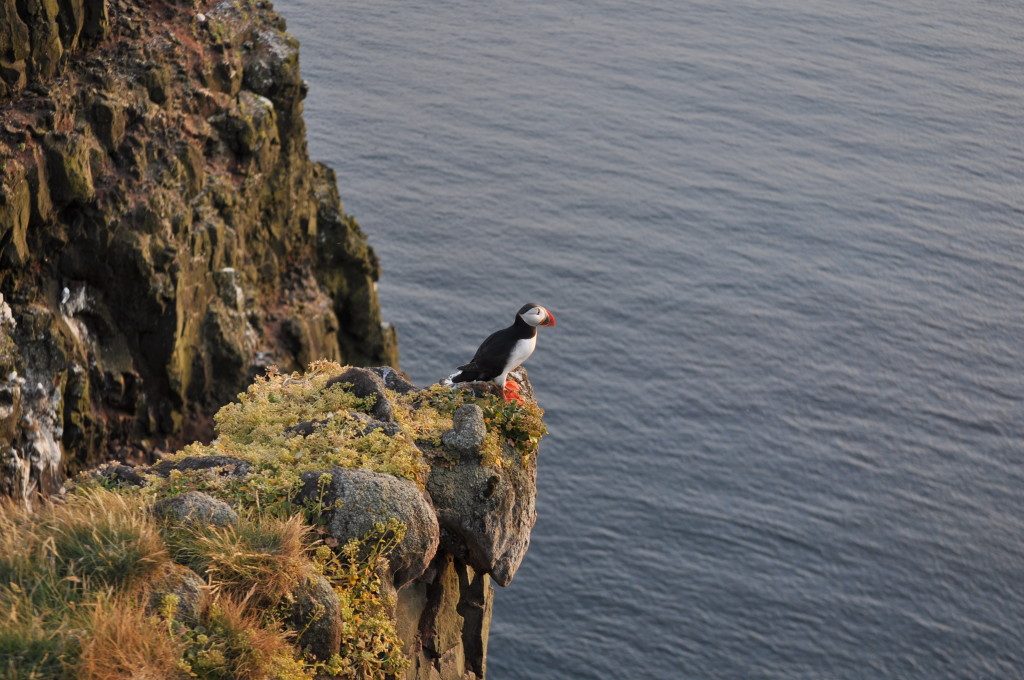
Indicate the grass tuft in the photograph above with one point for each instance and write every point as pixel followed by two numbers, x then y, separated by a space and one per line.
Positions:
pixel 237 644
pixel 124 643
pixel 56 563
pixel 261 559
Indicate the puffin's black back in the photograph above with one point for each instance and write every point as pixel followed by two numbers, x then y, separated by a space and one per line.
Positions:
pixel 493 353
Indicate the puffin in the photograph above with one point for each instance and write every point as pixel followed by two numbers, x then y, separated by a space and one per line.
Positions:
pixel 505 349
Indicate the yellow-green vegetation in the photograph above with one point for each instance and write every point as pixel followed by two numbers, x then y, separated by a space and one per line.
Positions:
pixel 427 414
pixel 8 352
pixel 76 578
pixel 369 642
pixel 255 429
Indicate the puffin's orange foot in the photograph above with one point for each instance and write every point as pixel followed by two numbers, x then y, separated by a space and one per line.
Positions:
pixel 511 391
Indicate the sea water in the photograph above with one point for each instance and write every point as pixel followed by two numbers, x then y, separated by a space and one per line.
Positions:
pixel 784 245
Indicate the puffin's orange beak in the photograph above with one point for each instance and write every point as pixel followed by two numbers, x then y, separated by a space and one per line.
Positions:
pixel 549 320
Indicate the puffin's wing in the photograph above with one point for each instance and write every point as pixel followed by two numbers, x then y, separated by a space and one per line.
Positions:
pixel 489 360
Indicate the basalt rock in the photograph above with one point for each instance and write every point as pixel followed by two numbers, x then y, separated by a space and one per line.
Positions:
pixel 196 507
pixel 164 235
pixel 224 465
pixel 315 615
pixel 445 620
pixel 355 500
pixel 190 593
pixel 366 383
pixel 486 514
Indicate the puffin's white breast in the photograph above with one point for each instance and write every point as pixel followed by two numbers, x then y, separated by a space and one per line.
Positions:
pixel 521 351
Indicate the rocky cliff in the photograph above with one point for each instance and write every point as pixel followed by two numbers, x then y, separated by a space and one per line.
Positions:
pixel 343 524
pixel 163 234
pixel 164 239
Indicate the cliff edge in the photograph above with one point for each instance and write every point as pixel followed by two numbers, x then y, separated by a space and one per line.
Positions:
pixel 164 236
pixel 343 524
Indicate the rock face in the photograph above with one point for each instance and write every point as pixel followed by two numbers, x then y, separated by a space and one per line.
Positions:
pixel 485 514
pixel 489 512
pixel 164 237
pixel 445 620
pixel 163 233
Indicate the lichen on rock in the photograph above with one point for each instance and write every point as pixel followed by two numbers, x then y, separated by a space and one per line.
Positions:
pixel 155 168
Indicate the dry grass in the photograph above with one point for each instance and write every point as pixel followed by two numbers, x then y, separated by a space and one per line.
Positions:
pixel 259 560
pixel 55 563
pixel 240 646
pixel 91 538
pixel 124 643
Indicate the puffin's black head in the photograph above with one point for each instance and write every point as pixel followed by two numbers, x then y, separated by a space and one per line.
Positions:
pixel 535 315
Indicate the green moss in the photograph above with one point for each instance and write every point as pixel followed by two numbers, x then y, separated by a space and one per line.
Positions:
pixel 256 429
pixel 8 352
pixel 370 646
pixel 427 414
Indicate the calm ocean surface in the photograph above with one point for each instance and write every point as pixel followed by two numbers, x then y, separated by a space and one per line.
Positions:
pixel 785 246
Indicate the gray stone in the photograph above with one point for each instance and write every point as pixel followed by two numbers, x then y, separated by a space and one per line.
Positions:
pixel 487 513
pixel 316 616
pixel 393 380
pixel 119 475
pixel 467 435
pixel 305 428
pixel 186 586
pixel 272 67
pixel 371 424
pixel 366 383
pixel 357 499
pixel 225 465
pixel 196 507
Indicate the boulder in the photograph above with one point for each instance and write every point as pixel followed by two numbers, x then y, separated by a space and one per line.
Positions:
pixel 394 380
pixel 186 586
pixel 196 507
pixel 486 513
pixel 366 383
pixel 118 475
pixel 355 500
pixel 469 429
pixel 315 615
